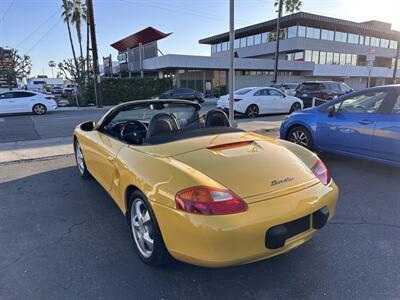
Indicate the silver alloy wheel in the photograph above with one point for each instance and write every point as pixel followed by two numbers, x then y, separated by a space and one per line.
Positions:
pixel 142 228
pixel 79 158
pixel 295 107
pixel 39 109
pixel 299 137
pixel 252 111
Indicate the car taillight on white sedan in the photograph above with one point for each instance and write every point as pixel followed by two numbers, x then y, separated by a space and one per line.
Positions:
pixel 321 172
pixel 209 201
pixel 236 100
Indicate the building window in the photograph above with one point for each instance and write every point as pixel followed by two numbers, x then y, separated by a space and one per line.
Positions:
pixel 299 56
pixel 329 58
pixel 393 45
pixel 335 60
pixel 237 43
pixel 353 38
pixel 243 42
pixel 301 31
pixel 219 47
pixel 292 32
pixel 213 48
pixel 342 59
pixel 367 40
pixel 361 41
pixel 354 59
pixel 250 40
pixel 341 37
pixel 322 57
pixel 264 37
pixel 308 55
pixel 224 46
pixel 315 57
pixel 327 35
pixel 348 59
pixel 375 42
pixel 313 33
pixel 384 43
pixel 257 39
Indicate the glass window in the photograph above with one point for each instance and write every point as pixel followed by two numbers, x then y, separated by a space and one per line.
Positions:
pixel 354 59
pixel 237 43
pixel 224 46
pixel 393 45
pixel 322 57
pixel 273 92
pixel 361 42
pixel 396 107
pixel 327 35
pixel 367 40
pixel 353 38
pixel 213 48
pixel 292 32
pixel 242 91
pixel 257 39
pixel 243 42
pixel 250 40
pixel 384 43
pixel 341 37
pixel 315 57
pixel 342 59
pixel 263 92
pixel 367 103
pixel 374 42
pixel 219 47
pixel 308 55
pixel 336 58
pixel 264 37
pixel 329 58
pixel 301 31
pixel 299 56
pixel 348 59
pixel 313 33
pixel 7 95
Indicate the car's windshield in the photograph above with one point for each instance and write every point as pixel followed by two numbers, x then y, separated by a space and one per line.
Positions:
pixel 242 91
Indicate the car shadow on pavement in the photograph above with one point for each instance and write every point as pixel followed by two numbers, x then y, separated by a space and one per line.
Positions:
pixel 63 237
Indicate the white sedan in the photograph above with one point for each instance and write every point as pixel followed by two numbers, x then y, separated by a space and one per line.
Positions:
pixel 253 101
pixel 26 101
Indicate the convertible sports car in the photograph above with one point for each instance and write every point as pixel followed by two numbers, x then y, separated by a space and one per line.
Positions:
pixel 200 191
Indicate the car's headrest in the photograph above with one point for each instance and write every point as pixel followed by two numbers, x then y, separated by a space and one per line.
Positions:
pixel 162 123
pixel 216 117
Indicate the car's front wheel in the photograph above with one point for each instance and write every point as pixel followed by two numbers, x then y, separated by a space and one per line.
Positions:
pixel 252 111
pixel 39 109
pixel 149 243
pixel 295 107
pixel 300 136
pixel 80 161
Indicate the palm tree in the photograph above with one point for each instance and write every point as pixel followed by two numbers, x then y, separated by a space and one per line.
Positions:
pixel 66 15
pixel 52 64
pixel 291 6
pixel 78 15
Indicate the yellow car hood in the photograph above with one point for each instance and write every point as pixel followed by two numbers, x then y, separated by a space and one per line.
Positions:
pixel 251 168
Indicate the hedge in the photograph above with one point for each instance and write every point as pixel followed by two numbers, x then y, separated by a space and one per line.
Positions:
pixel 117 90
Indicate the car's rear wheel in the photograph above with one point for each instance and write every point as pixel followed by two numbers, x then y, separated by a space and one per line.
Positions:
pixel 80 161
pixel 39 109
pixel 252 111
pixel 300 136
pixel 147 237
pixel 295 107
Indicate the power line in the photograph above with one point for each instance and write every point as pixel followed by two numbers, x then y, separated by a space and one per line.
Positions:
pixel 7 10
pixel 43 36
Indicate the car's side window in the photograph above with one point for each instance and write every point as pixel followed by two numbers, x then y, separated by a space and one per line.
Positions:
pixel 7 95
pixel 263 92
pixel 396 107
pixel 367 103
pixel 275 93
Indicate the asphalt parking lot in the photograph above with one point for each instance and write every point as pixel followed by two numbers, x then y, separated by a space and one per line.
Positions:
pixel 63 238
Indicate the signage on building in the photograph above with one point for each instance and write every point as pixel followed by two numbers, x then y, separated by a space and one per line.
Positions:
pixel 122 57
pixel 107 64
pixel 370 54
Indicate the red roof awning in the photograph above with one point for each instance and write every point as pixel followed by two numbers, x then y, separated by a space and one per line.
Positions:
pixel 144 36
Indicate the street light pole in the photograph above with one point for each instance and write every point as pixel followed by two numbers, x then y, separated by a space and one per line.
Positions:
pixel 231 61
pixel 97 82
pixel 278 29
pixel 396 62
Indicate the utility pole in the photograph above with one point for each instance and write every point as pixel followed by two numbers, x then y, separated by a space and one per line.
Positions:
pixel 278 30
pixel 396 62
pixel 231 61
pixel 97 82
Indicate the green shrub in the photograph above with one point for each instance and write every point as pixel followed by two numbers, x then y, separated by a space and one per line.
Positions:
pixel 116 90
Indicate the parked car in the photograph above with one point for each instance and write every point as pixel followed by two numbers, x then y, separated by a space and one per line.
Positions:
pixel 26 101
pixel 325 90
pixel 253 101
pixel 175 177
pixel 182 93
pixel 288 88
pixel 67 92
pixel 363 124
pixel 57 90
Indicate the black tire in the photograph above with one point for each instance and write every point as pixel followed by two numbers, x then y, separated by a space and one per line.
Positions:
pixel 159 254
pixel 295 107
pixel 39 109
pixel 82 169
pixel 252 111
pixel 300 136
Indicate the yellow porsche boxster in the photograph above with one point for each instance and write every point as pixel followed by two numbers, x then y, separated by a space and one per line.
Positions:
pixel 197 190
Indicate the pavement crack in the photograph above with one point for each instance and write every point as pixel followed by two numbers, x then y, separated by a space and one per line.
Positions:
pixel 366 223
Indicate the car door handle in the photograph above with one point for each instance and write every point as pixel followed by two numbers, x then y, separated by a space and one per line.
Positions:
pixel 365 122
pixel 110 158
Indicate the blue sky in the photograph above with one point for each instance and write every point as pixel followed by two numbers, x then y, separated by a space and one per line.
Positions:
pixel 35 26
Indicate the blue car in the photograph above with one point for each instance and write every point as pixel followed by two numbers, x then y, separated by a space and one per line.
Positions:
pixel 362 124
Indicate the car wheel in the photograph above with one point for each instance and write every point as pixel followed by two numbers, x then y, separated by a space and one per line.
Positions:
pixel 147 237
pixel 300 136
pixel 39 109
pixel 295 107
pixel 252 111
pixel 80 161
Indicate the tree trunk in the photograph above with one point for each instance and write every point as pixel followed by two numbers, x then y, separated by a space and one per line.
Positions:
pixel 87 48
pixel 70 39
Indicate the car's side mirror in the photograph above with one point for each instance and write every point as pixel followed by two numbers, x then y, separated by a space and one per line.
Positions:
pixel 89 126
pixel 331 111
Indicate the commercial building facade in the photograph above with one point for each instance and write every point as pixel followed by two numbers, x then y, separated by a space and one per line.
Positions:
pixel 312 47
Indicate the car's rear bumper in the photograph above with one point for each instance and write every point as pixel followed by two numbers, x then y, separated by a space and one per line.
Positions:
pixel 218 241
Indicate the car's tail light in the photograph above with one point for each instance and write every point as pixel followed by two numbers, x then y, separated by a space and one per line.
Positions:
pixel 49 97
pixel 209 201
pixel 236 100
pixel 321 172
